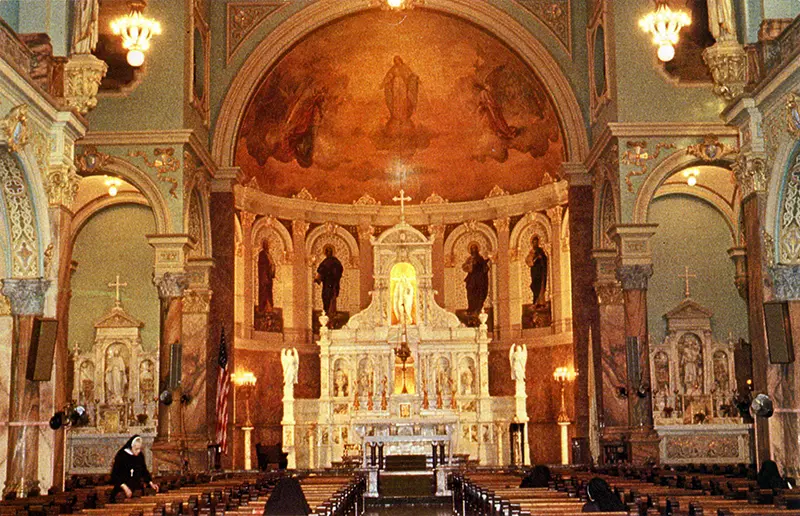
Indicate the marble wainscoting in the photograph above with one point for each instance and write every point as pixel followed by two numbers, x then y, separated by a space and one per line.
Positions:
pixel 6 335
pixel 46 434
pixel 707 444
pixel 784 426
pixel 614 366
pixel 94 453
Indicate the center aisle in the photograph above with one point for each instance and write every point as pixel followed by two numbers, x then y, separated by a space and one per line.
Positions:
pixel 411 510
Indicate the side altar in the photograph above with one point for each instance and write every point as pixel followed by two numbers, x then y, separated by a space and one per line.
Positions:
pixel 404 376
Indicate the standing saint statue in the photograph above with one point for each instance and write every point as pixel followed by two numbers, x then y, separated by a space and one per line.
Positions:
pixel 116 377
pixel 290 361
pixel 722 20
pixel 518 357
pixel 403 300
pixel 85 27
pixel 266 275
pixel 477 280
pixel 329 274
pixel 400 89
pixel 537 261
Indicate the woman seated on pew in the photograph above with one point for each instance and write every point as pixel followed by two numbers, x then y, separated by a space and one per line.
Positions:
pixel 602 498
pixel 770 477
pixel 287 499
pixel 539 476
pixel 129 471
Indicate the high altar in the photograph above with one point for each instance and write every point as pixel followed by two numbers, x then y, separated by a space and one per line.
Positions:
pixel 370 396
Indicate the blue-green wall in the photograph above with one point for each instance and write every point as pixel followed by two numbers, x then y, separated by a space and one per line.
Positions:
pixel 113 242
pixel 692 233
pixel 9 12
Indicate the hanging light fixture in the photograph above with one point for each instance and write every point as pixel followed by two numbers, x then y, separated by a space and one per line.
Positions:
pixel 136 31
pixel 113 184
pixel 665 25
pixel 691 176
pixel 397 5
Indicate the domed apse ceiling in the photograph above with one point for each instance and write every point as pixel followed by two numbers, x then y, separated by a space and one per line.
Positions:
pixel 380 100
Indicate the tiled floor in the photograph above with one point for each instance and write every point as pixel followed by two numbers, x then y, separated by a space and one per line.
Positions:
pixel 410 510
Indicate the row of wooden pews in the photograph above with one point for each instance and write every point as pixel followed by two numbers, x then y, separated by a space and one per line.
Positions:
pixel 498 494
pixel 231 494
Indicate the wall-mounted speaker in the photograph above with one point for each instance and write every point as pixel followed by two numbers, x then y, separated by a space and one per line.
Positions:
pixel 779 332
pixel 42 349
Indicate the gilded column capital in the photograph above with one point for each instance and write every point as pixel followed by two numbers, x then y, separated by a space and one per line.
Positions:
pixel 82 76
pixel 171 284
pixel 61 184
pixel 554 214
pixel 634 277
pixel 197 301
pixel 437 230
pixel 727 61
pixel 608 293
pixel 299 228
pixel 247 218
pixel 786 282
pixel 26 295
pixel 365 232
pixel 501 224
pixel 751 173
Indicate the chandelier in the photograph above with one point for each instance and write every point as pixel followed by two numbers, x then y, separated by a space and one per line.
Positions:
pixel 136 31
pixel 665 25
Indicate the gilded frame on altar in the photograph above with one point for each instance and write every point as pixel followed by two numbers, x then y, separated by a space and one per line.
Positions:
pixel 405 410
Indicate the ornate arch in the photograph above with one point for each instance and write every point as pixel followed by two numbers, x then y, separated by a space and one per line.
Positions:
pixel 277 236
pixel 606 215
pixel 336 235
pixel 458 241
pixel 146 186
pixel 676 161
pixel 521 235
pixel 783 205
pixel 93 207
pixel 320 13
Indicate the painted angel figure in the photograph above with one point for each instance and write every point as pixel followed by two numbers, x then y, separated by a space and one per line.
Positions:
pixel 290 362
pixel 518 357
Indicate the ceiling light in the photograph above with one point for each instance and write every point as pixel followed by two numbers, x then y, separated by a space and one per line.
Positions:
pixel 136 31
pixel 665 25
pixel 113 185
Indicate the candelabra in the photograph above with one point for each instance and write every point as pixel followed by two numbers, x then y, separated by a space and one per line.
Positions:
pixel 246 381
pixel 563 375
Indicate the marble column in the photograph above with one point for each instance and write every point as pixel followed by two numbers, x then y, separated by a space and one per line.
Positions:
pixel 437 257
pixel 27 302
pixel 584 304
pixel 609 352
pixel 365 263
pixel 197 431
pixel 502 311
pixel 634 268
pixel 556 284
pixel 300 280
pixel 247 220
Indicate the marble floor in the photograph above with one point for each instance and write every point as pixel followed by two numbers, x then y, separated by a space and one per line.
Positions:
pixel 410 510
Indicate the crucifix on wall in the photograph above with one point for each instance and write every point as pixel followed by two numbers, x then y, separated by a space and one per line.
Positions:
pixel 116 285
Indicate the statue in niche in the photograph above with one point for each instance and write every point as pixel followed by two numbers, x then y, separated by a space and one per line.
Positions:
pixel 722 20
pixel 403 299
pixel 329 275
pixel 467 380
pixel 442 374
pixel 116 376
pixel 341 385
pixel 477 280
pixel 537 261
pixel 85 29
pixel 721 375
pixel 661 366
pixel 87 382
pixel 691 363
pixel 266 276
pixel 146 381
pixel 365 377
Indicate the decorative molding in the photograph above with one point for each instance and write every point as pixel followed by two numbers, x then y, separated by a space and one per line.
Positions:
pixel 15 128
pixel 751 173
pixel 196 301
pixel 555 15
pixel 165 163
pixel 435 198
pixel 634 277
pixel 637 157
pixel 793 115
pixel 496 191
pixel 26 295
pixel 171 284
pixel 727 61
pixel 202 102
pixel 20 217
pixel 711 149
pixel 366 200
pixel 299 228
pixel 501 224
pixel 242 20
pixel 304 195
pixel 786 282
pixel 667 129
pixel 91 161
pixel 609 293
pixel 82 76
pixel 61 185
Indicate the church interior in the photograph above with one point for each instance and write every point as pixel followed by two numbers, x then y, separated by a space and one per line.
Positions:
pixel 399 250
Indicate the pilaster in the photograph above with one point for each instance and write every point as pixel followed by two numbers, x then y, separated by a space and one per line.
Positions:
pixel 365 263
pixel 502 310
pixel 437 257
pixel 301 281
pixel 247 219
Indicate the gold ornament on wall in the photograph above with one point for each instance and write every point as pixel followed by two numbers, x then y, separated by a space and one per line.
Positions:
pixel 638 157
pixel 164 163
pixel 711 149
pixel 15 128
pixel 793 115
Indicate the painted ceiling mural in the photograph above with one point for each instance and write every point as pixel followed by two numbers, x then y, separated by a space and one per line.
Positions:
pixel 380 100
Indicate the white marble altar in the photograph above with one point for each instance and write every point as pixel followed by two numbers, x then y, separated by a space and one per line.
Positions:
pixel 440 393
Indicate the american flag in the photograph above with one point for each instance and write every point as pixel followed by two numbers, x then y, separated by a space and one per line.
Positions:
pixel 223 388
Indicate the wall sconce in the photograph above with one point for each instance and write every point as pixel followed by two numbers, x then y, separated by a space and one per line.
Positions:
pixel 665 25
pixel 136 31
pixel 247 381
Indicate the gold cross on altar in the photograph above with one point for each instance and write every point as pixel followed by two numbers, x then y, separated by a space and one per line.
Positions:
pixel 116 285
pixel 686 277
pixel 402 200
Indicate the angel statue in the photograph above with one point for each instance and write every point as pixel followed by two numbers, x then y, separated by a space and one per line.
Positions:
pixel 290 362
pixel 518 357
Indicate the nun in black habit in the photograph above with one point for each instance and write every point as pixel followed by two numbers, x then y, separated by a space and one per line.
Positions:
pixel 287 499
pixel 129 471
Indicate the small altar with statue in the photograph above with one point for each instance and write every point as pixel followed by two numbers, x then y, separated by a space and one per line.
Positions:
pixel 404 377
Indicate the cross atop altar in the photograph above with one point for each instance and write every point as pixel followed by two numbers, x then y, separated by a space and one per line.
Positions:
pixel 402 199
pixel 116 285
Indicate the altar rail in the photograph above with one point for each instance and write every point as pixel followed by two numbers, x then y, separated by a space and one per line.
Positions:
pixel 377 447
